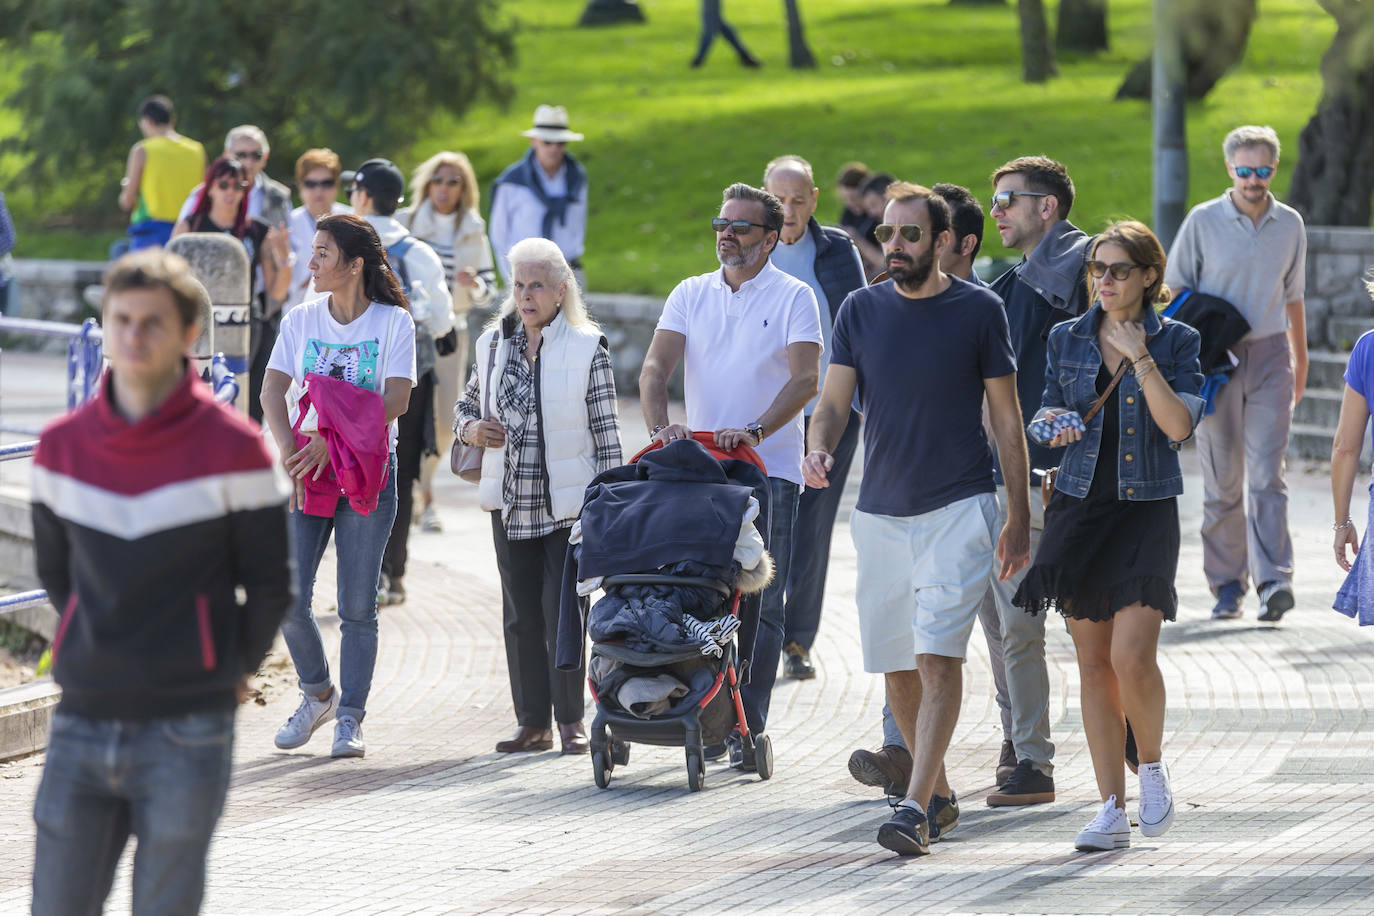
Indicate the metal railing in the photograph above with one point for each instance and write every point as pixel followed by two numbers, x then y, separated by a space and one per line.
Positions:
pixel 21 600
pixel 86 360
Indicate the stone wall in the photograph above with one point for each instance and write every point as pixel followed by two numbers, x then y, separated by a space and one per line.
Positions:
pixel 1338 259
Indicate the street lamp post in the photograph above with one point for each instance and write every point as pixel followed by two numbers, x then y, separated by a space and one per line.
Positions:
pixel 1168 107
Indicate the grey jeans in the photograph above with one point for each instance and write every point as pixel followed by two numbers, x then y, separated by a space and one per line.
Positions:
pixel 1017 659
pixel 1245 440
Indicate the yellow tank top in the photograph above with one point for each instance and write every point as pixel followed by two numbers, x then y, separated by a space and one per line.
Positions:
pixel 174 165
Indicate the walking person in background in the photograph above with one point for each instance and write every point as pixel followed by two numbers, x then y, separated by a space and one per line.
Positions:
pixel 8 239
pixel 222 206
pixel 826 260
pixel 1109 554
pixel 154 508
pixel 317 180
pixel 360 333
pixel 446 218
pixel 1356 596
pixel 268 200
pixel 162 169
pixel 1251 250
pixel 712 24
pixel 544 373
pixel 544 195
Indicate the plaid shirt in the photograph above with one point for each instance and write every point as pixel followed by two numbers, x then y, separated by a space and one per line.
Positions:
pixel 527 513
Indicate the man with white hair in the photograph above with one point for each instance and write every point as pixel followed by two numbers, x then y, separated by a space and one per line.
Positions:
pixel 1251 250
pixel 750 336
pixel 544 195
pixel 268 199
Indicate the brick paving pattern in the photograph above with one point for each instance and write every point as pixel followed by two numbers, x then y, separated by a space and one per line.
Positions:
pixel 1268 740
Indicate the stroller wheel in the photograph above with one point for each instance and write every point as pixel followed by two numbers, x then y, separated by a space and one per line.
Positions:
pixel 601 769
pixel 763 756
pixel 620 752
pixel 696 770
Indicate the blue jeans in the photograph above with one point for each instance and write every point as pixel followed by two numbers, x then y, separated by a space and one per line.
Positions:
pixel 763 669
pixel 816 511
pixel 162 780
pixel 358 543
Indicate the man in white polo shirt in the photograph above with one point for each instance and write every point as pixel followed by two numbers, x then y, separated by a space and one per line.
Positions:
pixel 1251 250
pixel 751 336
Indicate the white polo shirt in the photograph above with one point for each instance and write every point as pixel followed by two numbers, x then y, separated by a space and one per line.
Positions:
pixel 736 357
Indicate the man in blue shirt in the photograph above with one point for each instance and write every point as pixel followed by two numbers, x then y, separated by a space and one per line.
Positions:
pixel 923 351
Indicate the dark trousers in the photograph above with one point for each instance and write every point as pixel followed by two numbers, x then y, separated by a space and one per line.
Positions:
pixel 531 579
pixel 410 446
pixel 262 335
pixel 758 692
pixel 816 512
pixel 712 22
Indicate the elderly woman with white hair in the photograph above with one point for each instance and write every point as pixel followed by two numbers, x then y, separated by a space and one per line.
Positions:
pixel 445 217
pixel 549 425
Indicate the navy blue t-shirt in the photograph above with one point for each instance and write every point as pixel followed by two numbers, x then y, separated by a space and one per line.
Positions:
pixel 920 365
pixel 1029 319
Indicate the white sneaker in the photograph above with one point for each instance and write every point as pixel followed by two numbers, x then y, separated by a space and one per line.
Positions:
pixel 429 520
pixel 1156 799
pixel 310 715
pixel 1108 830
pixel 348 738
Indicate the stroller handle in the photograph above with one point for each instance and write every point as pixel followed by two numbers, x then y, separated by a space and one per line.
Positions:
pixel 708 439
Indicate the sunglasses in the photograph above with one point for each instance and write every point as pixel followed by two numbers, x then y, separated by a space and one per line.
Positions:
pixel 228 184
pixel 255 155
pixel 1004 199
pixel 884 232
pixel 447 182
pixel 1244 171
pixel 738 226
pixel 314 183
pixel 1119 271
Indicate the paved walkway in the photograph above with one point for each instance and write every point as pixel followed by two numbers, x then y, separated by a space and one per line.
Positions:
pixel 1269 737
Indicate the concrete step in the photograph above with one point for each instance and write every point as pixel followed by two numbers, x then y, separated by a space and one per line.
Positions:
pixel 1319 407
pixel 1343 330
pixel 1305 441
pixel 1326 369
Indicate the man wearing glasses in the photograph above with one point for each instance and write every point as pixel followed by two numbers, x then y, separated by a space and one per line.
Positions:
pixel 1032 197
pixel 268 200
pixel 1250 250
pixel 924 351
pixel 751 338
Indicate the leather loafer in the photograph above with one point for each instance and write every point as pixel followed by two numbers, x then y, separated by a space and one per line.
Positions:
pixel 573 737
pixel 527 738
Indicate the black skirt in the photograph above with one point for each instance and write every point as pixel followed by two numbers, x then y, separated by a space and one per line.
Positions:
pixel 1100 554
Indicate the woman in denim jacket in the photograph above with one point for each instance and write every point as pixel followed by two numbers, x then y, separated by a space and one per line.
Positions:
pixel 1109 554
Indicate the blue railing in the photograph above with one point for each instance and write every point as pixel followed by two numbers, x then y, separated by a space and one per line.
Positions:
pixel 86 360
pixel 21 600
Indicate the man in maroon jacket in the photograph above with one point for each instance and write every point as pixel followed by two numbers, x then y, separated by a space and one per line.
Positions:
pixel 153 506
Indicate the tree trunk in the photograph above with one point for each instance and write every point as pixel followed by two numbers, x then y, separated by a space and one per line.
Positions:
pixel 1037 54
pixel 1334 179
pixel 609 12
pixel 799 56
pixel 1082 25
pixel 1215 33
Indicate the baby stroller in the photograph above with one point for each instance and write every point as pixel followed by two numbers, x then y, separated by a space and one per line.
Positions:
pixel 671 538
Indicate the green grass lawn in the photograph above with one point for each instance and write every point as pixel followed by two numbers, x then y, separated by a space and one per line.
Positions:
pixel 916 87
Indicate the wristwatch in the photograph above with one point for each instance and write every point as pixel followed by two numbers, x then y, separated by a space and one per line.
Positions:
pixel 755 429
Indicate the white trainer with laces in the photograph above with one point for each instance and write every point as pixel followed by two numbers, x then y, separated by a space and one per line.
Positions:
pixel 1107 831
pixel 1156 799
pixel 310 715
pixel 348 738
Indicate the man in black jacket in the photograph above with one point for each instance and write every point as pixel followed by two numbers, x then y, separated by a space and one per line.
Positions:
pixel 827 260
pixel 153 505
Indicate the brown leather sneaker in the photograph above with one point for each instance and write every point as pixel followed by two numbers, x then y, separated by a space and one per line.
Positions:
pixel 889 767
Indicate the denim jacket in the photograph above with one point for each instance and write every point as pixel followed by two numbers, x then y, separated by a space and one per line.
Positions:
pixel 1147 461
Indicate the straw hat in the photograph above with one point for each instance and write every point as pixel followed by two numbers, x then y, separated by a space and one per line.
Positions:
pixel 551 125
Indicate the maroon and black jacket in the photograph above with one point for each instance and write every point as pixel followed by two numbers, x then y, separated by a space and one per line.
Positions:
pixel 144 533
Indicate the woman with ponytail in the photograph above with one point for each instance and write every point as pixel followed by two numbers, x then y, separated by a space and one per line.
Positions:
pixel 359 331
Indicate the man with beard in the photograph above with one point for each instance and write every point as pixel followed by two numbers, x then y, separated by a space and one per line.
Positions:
pixel 923 351
pixel 751 338
pixel 1249 249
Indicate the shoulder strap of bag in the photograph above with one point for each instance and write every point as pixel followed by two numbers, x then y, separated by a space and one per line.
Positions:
pixel 1102 398
pixel 491 364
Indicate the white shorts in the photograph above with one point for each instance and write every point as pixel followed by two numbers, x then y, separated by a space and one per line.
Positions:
pixel 921 579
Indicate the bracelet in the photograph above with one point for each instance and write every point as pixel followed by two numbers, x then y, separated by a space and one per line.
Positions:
pixel 657 429
pixel 1343 525
pixel 1140 374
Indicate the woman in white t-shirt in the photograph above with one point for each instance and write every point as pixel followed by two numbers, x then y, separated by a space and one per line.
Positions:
pixel 360 331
